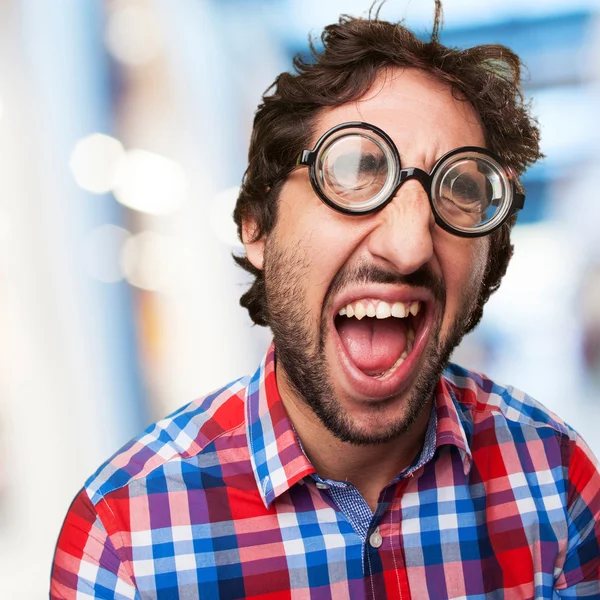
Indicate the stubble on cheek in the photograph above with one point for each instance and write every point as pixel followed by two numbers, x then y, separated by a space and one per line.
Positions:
pixel 299 360
pixel 470 288
pixel 287 273
pixel 300 331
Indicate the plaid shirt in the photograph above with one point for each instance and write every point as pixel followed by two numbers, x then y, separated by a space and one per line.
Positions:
pixel 218 501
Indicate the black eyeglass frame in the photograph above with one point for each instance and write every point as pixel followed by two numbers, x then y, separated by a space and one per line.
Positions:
pixel 308 158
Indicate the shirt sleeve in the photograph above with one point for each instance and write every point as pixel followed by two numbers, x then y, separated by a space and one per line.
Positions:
pixel 580 575
pixel 86 563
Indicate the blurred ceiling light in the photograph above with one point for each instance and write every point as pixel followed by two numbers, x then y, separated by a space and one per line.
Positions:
pixel 150 183
pixel 133 34
pixel 221 216
pixel 147 261
pixel 102 253
pixel 94 162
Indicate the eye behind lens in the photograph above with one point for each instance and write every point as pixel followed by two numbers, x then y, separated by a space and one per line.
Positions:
pixel 471 192
pixel 356 170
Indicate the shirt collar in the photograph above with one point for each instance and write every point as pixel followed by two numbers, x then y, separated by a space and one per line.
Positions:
pixel 277 459
pixel 450 426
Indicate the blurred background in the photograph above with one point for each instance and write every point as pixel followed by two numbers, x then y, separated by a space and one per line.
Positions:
pixel 124 126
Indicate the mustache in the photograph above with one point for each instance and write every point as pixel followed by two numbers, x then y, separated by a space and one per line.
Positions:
pixel 364 273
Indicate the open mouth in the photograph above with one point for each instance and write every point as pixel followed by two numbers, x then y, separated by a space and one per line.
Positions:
pixel 377 336
pixel 380 341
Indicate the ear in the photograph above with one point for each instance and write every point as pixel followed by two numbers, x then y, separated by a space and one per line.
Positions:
pixel 254 247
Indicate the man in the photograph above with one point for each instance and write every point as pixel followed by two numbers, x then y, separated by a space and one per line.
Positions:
pixel 356 463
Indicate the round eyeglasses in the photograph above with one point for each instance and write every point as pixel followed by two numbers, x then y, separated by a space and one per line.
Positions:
pixel 355 169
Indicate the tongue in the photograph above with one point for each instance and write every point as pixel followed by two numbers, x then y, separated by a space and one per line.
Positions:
pixel 374 345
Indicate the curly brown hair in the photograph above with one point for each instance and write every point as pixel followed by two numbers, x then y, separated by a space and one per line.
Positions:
pixel 355 51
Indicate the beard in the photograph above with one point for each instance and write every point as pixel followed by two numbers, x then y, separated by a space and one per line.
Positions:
pixel 300 350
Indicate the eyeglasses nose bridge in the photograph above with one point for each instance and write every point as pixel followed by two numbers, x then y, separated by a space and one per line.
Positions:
pixel 414 173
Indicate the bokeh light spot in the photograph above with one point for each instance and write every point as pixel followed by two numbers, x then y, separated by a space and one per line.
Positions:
pixel 94 162
pixel 150 183
pixel 147 261
pixel 134 35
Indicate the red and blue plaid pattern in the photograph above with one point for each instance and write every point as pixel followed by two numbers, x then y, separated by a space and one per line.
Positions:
pixel 218 501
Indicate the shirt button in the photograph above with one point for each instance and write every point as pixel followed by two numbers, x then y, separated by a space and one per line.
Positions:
pixel 375 539
pixel 321 486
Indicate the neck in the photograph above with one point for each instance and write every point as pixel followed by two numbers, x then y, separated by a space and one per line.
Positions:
pixel 370 467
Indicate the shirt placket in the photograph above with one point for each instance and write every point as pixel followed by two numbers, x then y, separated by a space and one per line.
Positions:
pixel 383 558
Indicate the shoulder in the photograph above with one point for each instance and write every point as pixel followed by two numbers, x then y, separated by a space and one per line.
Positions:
pixel 509 430
pixel 479 398
pixel 185 434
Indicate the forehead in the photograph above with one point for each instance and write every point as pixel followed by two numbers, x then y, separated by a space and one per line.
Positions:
pixel 419 113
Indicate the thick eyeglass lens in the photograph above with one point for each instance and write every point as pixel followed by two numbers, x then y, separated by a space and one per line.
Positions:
pixel 354 171
pixel 471 193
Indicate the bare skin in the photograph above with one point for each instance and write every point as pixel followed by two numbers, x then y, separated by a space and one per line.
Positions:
pixel 368 469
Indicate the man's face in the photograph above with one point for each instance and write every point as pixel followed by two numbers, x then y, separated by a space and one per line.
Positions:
pixel 367 380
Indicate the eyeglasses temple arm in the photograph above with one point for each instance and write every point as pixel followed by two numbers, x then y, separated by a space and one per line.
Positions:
pixel 306 157
pixel 519 201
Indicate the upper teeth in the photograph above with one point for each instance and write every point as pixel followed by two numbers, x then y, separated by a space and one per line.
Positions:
pixel 380 309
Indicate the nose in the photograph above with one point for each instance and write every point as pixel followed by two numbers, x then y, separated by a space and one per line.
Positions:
pixel 403 235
